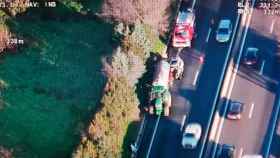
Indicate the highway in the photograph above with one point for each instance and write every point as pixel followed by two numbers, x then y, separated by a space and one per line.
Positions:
pixel 204 88
pixel 256 88
pixel 189 101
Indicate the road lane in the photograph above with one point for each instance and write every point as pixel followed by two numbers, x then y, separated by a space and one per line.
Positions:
pixel 248 133
pixel 202 98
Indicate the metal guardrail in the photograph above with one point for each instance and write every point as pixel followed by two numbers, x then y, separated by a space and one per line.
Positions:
pixel 219 90
pixel 273 124
pixel 134 147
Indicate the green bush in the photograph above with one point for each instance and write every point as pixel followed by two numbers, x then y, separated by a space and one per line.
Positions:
pixel 74 5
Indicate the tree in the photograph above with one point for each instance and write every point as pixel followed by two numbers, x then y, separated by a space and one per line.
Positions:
pixel 5 36
pixel 152 12
pixel 16 6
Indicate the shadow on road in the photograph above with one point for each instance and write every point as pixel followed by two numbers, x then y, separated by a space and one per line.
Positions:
pixel 129 138
pixel 264 73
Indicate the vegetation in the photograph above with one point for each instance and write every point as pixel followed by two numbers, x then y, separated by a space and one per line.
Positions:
pixel 106 137
pixel 5 36
pixel 52 85
pixel 155 13
pixel 14 7
pixel 109 126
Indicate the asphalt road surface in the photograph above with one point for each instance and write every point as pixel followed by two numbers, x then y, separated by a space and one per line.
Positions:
pixel 247 134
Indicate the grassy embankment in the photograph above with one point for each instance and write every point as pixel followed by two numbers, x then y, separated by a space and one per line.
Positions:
pixel 50 87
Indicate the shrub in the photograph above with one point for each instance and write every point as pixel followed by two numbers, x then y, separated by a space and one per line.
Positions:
pixel 109 126
pixel 73 4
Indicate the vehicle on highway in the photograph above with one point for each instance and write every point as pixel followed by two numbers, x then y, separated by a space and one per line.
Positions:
pixel 252 156
pixel 191 135
pixel 235 110
pixel 177 67
pixel 160 97
pixel 225 151
pixel 251 57
pixel 184 29
pixel 224 30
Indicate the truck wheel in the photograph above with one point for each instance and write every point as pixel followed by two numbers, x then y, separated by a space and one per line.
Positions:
pixel 180 76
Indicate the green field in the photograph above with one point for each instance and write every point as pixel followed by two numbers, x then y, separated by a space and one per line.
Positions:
pixel 51 86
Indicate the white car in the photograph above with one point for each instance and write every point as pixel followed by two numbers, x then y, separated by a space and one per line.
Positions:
pixel 191 136
pixel 252 156
pixel 224 30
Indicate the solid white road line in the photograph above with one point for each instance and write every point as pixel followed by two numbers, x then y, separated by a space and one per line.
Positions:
pixel 235 70
pixel 208 34
pixel 251 110
pixel 193 4
pixel 214 126
pixel 183 122
pixel 153 137
pixel 195 78
pixel 219 127
pixel 240 153
pixel 262 67
pixel 272 26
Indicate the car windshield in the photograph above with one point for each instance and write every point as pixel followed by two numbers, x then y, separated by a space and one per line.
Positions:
pixel 223 31
pixel 226 152
pixel 173 62
pixel 251 53
pixel 189 135
pixel 181 33
pixel 235 108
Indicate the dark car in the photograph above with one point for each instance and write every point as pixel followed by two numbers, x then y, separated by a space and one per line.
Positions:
pixel 234 110
pixel 251 56
pixel 225 151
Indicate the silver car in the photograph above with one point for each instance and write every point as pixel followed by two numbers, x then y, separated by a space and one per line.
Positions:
pixel 224 30
pixel 177 67
pixel 191 136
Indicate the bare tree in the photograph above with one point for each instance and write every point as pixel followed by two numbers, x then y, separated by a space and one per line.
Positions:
pixel 5 36
pixel 152 12
pixel 16 6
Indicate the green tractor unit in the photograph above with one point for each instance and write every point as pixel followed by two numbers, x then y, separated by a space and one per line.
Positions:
pixel 160 101
pixel 160 97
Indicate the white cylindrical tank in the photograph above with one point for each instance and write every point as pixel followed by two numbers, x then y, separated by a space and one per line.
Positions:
pixel 161 75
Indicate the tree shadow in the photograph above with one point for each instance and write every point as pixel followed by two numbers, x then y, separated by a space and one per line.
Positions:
pixel 144 83
pixel 129 138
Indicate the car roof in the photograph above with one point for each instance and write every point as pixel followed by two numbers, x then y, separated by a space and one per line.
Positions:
pixel 193 128
pixel 253 49
pixel 252 156
pixel 236 106
pixel 224 23
pixel 226 149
